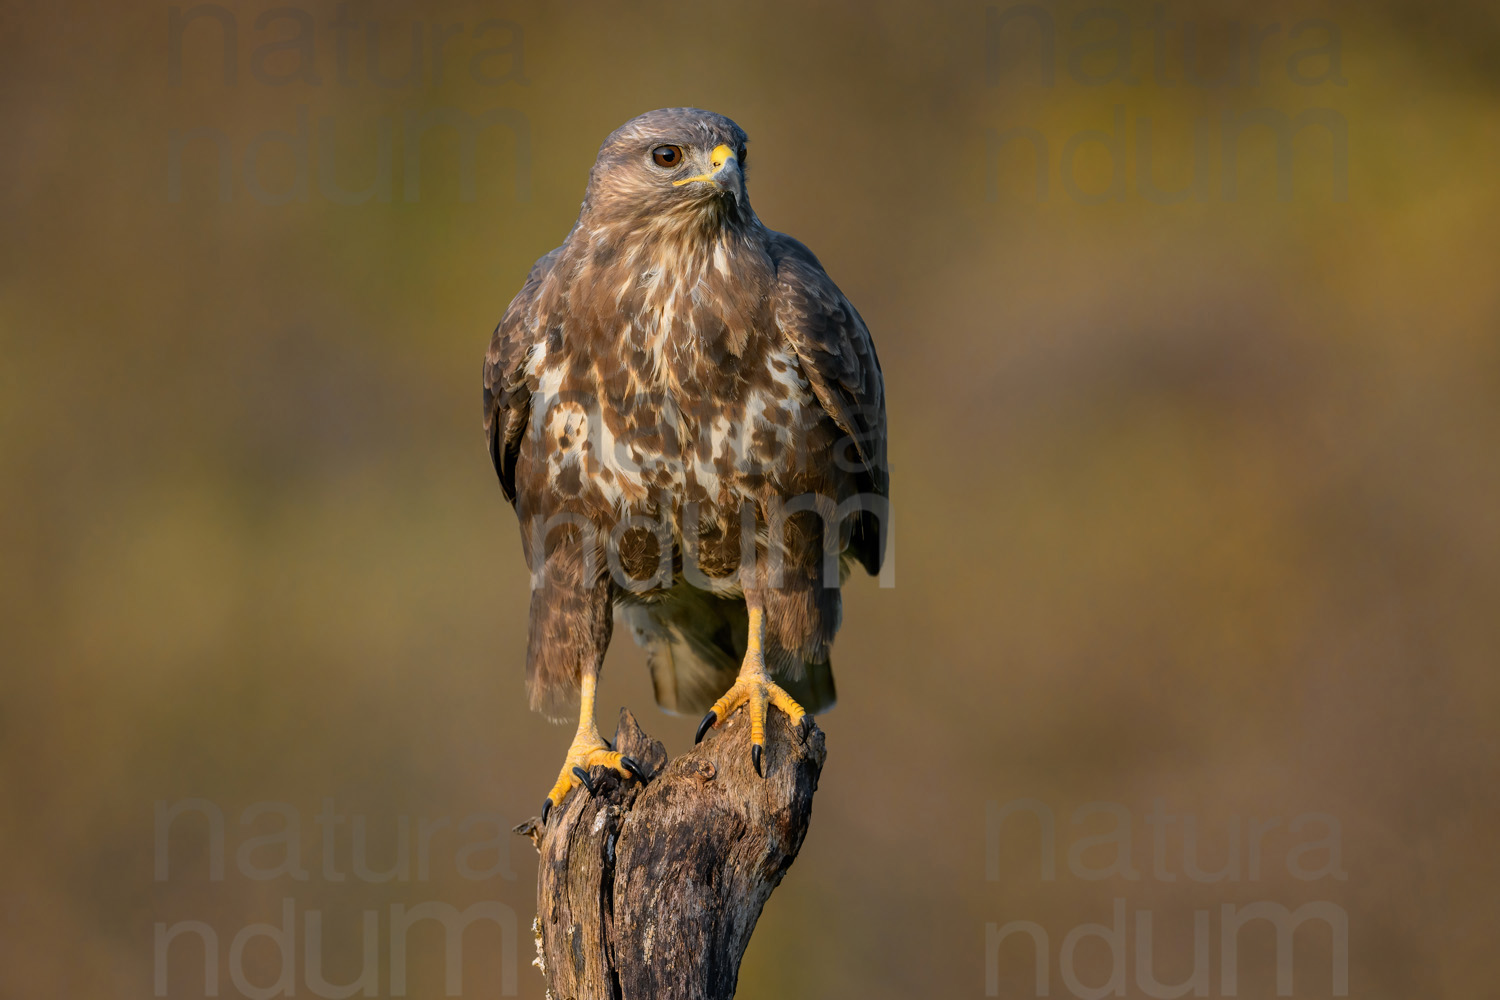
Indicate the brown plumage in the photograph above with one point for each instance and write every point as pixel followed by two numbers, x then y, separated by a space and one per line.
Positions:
pixel 675 380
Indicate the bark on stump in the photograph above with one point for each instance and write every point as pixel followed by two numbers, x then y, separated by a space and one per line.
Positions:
pixel 651 891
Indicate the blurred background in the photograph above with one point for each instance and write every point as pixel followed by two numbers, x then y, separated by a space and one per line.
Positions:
pixel 1196 493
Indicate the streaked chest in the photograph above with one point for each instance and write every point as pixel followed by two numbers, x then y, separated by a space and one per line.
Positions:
pixel 663 420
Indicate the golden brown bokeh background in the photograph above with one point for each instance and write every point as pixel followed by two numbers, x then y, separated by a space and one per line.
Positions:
pixel 1196 502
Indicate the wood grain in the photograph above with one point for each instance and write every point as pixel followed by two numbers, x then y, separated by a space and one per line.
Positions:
pixel 651 891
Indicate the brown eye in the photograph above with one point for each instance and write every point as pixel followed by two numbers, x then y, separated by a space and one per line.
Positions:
pixel 739 154
pixel 667 156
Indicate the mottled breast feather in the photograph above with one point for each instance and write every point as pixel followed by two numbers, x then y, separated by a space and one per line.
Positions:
pixel 803 308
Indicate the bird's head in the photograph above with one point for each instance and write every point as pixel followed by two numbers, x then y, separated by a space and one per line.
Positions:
pixel 676 167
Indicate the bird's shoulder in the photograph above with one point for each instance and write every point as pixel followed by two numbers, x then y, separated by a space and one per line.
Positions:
pixel 834 346
pixel 813 313
pixel 520 333
pixel 523 325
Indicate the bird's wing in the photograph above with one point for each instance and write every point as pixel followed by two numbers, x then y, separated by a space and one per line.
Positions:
pixel 507 396
pixel 838 358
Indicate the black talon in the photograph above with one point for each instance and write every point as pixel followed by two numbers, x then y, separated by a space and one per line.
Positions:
pixel 634 768
pixel 708 720
pixel 583 776
pixel 755 757
pixel 805 727
pixel 546 808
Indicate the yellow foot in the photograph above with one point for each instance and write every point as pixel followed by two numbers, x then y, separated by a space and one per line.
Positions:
pixel 588 751
pixel 758 691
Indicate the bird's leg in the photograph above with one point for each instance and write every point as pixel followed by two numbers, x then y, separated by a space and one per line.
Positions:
pixel 755 687
pixel 588 750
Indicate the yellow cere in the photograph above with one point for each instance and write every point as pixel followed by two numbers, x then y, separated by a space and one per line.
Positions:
pixel 721 155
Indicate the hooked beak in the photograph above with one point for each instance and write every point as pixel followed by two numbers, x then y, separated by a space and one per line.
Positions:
pixel 724 170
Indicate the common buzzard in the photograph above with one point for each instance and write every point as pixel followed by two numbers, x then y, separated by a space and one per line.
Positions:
pixel 688 417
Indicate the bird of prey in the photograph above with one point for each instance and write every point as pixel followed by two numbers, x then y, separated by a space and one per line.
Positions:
pixel 688 417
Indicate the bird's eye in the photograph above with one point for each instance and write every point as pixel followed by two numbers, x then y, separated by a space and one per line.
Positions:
pixel 667 156
pixel 739 154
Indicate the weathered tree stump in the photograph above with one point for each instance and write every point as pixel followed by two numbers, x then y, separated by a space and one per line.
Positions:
pixel 651 891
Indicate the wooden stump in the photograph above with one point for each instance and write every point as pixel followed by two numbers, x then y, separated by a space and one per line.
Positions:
pixel 651 891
